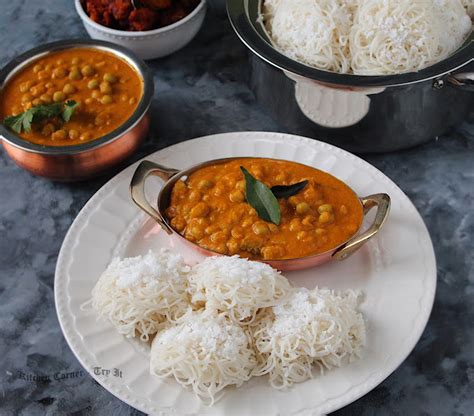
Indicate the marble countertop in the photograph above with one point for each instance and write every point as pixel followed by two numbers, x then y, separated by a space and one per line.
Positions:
pixel 205 82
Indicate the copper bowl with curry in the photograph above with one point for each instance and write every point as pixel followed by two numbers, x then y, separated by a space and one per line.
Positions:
pixel 73 109
pixel 283 213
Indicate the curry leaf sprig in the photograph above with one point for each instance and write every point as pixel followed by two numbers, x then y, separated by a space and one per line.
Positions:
pixel 285 191
pixel 264 199
pixel 68 110
pixel 260 197
pixel 38 113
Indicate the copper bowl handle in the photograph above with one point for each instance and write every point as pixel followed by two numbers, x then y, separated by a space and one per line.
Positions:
pixel 382 202
pixel 137 189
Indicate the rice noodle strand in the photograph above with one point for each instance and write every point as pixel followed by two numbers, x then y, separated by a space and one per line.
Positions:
pixel 226 320
pixel 368 37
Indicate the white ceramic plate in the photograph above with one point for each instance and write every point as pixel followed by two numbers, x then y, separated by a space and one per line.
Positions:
pixel 396 271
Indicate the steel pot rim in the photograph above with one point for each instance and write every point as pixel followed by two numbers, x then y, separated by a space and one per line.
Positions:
pixel 131 58
pixel 243 19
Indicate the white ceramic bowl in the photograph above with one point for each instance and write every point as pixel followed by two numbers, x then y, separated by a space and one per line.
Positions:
pixel 149 44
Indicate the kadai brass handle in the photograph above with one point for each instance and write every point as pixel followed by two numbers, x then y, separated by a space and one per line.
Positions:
pixel 137 189
pixel 382 202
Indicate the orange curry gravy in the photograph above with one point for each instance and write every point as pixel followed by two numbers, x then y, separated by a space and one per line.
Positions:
pixel 106 87
pixel 209 208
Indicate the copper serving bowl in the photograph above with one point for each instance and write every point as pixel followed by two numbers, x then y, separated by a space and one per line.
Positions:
pixel 170 176
pixel 82 161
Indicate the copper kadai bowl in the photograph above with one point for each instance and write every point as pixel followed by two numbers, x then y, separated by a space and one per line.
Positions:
pixel 170 176
pixel 82 161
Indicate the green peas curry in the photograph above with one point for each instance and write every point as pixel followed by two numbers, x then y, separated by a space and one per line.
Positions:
pixel 106 88
pixel 210 209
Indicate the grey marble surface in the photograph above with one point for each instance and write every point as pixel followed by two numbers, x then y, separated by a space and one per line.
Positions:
pixel 202 90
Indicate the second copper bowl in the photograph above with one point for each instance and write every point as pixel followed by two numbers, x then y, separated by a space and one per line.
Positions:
pixel 82 161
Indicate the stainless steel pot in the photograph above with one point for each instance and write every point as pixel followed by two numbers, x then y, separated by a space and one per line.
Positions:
pixel 359 113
